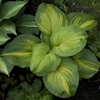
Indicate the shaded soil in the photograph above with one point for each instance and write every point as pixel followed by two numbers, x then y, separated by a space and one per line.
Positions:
pixel 87 90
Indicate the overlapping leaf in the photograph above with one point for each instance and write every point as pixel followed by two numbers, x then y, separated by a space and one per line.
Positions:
pixel 10 9
pixel 18 51
pixel 26 24
pixel 64 81
pixel 87 63
pixel 46 39
pixel 83 20
pixel 49 18
pixel 68 40
pixel 43 60
pixel 8 26
pixel 3 37
pixel 5 66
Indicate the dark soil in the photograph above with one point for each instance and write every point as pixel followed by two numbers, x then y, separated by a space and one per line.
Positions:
pixel 89 89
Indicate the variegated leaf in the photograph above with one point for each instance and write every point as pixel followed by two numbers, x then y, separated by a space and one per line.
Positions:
pixel 43 60
pixel 49 18
pixel 83 20
pixel 68 40
pixel 18 51
pixel 10 9
pixel 26 24
pixel 87 63
pixel 8 27
pixel 64 81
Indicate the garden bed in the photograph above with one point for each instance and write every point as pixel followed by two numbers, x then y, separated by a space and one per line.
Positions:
pixel 88 89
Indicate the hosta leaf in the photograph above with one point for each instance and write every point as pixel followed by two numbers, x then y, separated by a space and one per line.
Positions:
pixel 3 37
pixel 43 60
pixel 19 13
pixel 68 40
pixel 46 39
pixel 5 66
pixel 18 51
pixel 10 9
pixel 83 20
pixel 87 63
pixel 26 24
pixel 64 81
pixel 49 18
pixel 8 27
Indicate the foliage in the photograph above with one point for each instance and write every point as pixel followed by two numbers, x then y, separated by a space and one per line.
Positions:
pixel 93 42
pixel 59 59
pixel 28 91
pixel 10 12
pixel 91 7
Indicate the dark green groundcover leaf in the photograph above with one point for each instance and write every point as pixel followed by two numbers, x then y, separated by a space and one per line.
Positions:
pixel 18 51
pixel 87 63
pixel 26 24
pixel 10 9
pixel 29 92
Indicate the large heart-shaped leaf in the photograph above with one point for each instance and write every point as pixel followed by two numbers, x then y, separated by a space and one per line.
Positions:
pixel 3 37
pixel 68 40
pixel 10 9
pixel 26 24
pixel 83 20
pixel 49 18
pixel 18 51
pixel 8 27
pixel 64 81
pixel 87 63
pixel 43 60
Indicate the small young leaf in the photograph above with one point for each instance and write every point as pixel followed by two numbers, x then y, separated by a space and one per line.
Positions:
pixel 8 27
pixel 46 97
pixel 26 24
pixel 58 2
pixel 10 9
pixel 46 39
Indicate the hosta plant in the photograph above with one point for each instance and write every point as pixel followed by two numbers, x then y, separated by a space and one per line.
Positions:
pixel 59 55
pixel 10 12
